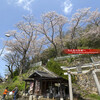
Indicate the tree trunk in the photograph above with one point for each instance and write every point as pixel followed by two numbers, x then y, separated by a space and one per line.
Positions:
pixel 56 51
pixel 10 69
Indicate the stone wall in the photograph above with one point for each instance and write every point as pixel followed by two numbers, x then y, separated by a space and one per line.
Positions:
pixel 87 83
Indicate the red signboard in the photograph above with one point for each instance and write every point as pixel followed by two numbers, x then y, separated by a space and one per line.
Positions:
pixel 81 51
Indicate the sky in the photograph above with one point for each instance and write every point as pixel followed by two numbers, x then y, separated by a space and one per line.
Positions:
pixel 12 11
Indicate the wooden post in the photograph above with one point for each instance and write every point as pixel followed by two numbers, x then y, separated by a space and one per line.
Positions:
pixel 40 87
pixel 34 86
pixel 25 86
pixel 61 97
pixel 44 86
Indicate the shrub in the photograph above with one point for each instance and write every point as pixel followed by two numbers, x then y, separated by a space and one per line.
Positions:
pixel 16 72
pixel 70 59
pixel 19 84
pixel 47 54
pixel 15 78
pixel 55 67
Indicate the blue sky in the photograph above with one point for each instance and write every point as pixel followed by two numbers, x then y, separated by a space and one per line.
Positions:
pixel 11 12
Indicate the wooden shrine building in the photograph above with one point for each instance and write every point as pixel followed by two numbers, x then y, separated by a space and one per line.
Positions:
pixel 46 84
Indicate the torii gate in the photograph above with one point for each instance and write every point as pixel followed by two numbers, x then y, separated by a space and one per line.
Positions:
pixel 90 65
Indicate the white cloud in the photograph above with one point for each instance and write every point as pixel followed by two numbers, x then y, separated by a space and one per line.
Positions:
pixel 68 6
pixel 25 4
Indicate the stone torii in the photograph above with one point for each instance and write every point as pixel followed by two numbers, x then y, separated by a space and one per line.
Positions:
pixel 79 71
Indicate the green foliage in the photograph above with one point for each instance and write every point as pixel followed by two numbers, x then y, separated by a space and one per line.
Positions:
pixel 72 44
pixel 15 73
pixel 15 78
pixel 68 45
pixel 2 87
pixel 83 43
pixel 55 67
pixel 89 42
pixel 20 85
pixel 47 54
pixel 83 47
pixel 94 97
pixel 17 81
pixel 70 59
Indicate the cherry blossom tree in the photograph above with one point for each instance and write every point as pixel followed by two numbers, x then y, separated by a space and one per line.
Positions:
pixel 76 24
pixel 52 26
pixel 13 61
pixel 94 18
pixel 22 40
pixel 91 32
pixel 94 21
pixel 37 47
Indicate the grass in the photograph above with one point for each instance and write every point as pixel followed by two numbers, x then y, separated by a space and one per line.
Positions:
pixel 93 97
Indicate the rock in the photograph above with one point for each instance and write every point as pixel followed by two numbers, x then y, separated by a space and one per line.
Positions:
pixel 40 97
pixel 31 97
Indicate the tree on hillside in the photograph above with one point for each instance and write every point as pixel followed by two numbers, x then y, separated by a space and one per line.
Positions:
pixel 47 54
pixel 10 59
pixel 94 18
pixel 22 40
pixel 92 30
pixel 52 26
pixel 37 47
pixel 77 22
